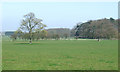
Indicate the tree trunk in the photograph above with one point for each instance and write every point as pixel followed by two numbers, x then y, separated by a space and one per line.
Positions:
pixel 98 39
pixel 30 36
pixel 30 41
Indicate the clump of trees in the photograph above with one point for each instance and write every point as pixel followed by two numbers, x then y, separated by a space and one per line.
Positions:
pixel 57 33
pixel 26 36
pixel 97 29
pixel 38 34
pixel 30 26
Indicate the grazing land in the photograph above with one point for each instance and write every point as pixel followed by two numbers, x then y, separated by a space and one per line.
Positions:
pixel 60 55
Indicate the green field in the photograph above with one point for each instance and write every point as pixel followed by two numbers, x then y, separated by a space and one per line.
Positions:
pixel 60 55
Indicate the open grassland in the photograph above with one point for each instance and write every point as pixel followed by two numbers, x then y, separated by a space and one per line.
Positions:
pixel 60 55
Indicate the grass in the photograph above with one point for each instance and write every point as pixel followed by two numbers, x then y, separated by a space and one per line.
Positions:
pixel 0 53
pixel 60 55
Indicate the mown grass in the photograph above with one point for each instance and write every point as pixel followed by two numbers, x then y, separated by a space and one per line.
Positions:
pixel 60 55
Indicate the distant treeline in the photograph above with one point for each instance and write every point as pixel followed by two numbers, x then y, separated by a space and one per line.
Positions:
pixel 54 33
pixel 93 29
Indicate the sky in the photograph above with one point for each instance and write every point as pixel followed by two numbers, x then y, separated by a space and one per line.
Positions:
pixel 59 0
pixel 56 14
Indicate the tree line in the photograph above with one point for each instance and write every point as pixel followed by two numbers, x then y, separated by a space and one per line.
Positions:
pixel 32 28
pixel 97 29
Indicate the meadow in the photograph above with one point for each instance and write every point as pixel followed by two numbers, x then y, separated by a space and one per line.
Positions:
pixel 60 55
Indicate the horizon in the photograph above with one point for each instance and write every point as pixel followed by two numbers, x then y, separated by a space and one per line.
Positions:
pixel 51 28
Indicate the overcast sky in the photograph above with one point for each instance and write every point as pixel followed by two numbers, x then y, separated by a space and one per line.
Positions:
pixel 56 14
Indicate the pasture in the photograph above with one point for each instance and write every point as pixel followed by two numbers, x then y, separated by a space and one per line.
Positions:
pixel 60 55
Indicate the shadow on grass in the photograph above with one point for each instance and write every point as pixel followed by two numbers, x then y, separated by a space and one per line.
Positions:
pixel 27 43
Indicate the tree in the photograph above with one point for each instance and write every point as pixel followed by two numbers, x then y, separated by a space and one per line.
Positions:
pixel 59 31
pixel 56 36
pixel 66 35
pixel 19 34
pixel 98 29
pixel 30 23
pixel 14 36
pixel 43 34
